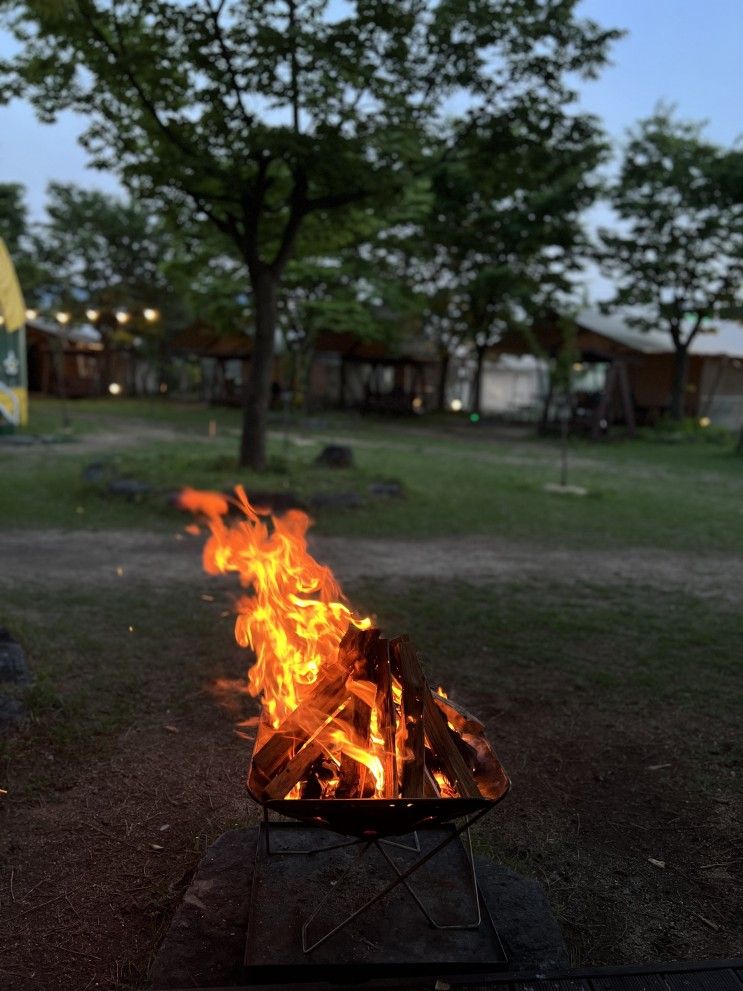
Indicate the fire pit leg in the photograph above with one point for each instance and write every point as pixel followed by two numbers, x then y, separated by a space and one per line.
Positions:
pixel 401 878
pixel 415 848
pixel 419 903
pixel 363 849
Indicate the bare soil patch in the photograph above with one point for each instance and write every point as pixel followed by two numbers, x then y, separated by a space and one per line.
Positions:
pixel 53 556
pixel 92 874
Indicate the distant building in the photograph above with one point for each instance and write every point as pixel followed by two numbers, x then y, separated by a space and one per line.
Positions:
pixel 606 346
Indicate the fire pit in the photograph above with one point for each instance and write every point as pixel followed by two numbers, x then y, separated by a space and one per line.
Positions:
pixel 351 737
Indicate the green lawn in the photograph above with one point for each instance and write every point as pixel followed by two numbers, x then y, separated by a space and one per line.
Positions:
pixel 458 479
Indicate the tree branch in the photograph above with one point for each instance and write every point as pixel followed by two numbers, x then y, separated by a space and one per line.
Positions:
pixel 124 63
pixel 333 200
pixel 294 66
pixel 297 212
pixel 214 14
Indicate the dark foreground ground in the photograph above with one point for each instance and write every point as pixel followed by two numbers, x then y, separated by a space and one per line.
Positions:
pixel 607 665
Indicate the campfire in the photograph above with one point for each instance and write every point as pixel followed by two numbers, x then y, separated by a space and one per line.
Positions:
pixel 346 712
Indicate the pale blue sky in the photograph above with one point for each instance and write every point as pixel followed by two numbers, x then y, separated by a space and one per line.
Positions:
pixel 687 52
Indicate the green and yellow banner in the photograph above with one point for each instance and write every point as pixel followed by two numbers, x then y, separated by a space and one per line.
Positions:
pixel 13 381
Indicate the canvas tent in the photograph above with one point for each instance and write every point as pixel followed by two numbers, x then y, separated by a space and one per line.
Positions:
pixel 715 370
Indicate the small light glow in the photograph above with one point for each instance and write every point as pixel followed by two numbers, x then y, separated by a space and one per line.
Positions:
pixel 62 317
pixel 705 421
pixel 31 314
pixel 151 314
pixel 122 316
pixel 417 403
pixel 163 387
pixel 92 315
pixel 456 405
pixel 115 389
pixel 578 366
pixel 474 417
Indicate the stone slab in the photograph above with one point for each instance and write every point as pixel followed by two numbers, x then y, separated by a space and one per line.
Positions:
pixel 206 942
pixel 13 673
pixel 13 666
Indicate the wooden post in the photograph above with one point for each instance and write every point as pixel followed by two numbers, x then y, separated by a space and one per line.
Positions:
pixel 627 404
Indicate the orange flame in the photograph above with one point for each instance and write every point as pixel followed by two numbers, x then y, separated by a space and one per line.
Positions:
pixel 293 614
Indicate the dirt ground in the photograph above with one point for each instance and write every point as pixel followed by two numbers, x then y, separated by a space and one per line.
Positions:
pixel 52 555
pixel 92 874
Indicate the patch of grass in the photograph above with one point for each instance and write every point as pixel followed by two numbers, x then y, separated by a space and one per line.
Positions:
pixel 618 645
pixel 456 481
pixel 102 662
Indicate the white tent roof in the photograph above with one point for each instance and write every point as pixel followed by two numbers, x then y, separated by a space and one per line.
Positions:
pixel 80 333
pixel 725 339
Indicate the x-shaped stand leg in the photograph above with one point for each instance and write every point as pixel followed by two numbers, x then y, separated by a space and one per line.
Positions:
pixel 402 877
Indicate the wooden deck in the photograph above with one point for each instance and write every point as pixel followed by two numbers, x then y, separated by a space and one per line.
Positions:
pixel 705 975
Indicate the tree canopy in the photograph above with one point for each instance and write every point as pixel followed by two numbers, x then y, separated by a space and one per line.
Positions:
pixel 677 255
pixel 503 237
pixel 255 114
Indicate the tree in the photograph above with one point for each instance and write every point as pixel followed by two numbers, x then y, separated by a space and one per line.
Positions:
pixel 677 255
pixel 17 234
pixel 504 232
pixel 257 114
pixel 12 216
pixel 106 254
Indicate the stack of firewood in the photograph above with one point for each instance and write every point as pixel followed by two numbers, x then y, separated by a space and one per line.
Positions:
pixel 377 697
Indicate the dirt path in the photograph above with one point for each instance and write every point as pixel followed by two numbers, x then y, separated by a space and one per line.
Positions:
pixel 105 440
pixel 50 557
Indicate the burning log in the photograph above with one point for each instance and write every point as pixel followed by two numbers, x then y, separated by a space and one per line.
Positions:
pixel 385 707
pixel 362 683
pixel 462 720
pixel 320 704
pixel 454 766
pixel 413 685
pixel 296 769
pixel 353 774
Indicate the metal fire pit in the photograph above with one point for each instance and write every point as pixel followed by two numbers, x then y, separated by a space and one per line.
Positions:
pixel 373 822
pixel 376 818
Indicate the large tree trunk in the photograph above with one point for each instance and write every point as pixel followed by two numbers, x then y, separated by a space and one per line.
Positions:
pixel 443 377
pixel 477 383
pixel 257 394
pixel 678 383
